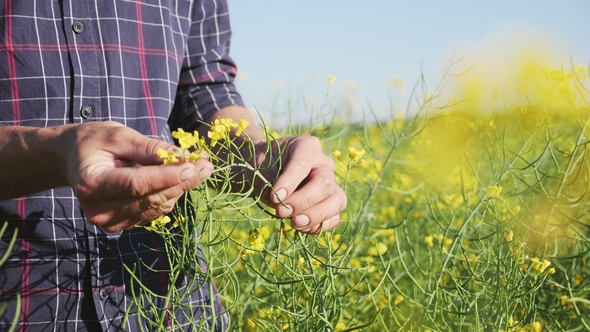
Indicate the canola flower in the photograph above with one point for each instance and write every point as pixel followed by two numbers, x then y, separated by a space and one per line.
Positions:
pixel 219 130
pixel 256 240
pixel 331 79
pixel 540 266
pixel 494 191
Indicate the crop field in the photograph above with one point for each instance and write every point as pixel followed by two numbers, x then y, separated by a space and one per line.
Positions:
pixel 462 215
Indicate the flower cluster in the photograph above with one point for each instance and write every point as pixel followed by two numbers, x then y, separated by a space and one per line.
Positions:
pixel 221 128
pixel 494 191
pixel 540 266
pixel 190 142
pixel 354 156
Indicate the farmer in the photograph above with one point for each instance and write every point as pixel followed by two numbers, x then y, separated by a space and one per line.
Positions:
pixel 89 91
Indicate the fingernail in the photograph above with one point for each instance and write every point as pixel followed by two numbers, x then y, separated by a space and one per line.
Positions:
pixel 205 172
pixel 280 195
pixel 284 211
pixel 300 221
pixel 187 173
pixel 305 230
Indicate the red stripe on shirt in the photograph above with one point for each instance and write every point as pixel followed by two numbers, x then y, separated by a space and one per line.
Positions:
pixel 144 73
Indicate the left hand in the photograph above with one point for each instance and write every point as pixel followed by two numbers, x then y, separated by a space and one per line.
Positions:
pixel 305 184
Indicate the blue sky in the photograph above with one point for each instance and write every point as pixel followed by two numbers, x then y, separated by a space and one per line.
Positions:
pixel 295 44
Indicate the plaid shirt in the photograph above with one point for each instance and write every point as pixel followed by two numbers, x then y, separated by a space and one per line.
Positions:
pixel 151 65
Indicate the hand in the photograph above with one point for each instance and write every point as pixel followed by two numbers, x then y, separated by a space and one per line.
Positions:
pixel 305 185
pixel 119 180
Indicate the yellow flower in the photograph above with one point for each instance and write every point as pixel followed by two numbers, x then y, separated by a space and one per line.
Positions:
pixel 160 222
pixel 168 157
pixel 217 133
pixel 536 264
pixel 355 154
pixel 510 236
pixel 536 327
pixel 256 239
pixel 186 140
pixel 194 156
pixel 494 191
pixel 241 126
pixel 337 154
pixel 379 249
pixel 429 241
pixel 331 79
pixel 563 299
pixel 340 326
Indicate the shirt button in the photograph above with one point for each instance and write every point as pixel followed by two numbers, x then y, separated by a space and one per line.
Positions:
pixel 86 112
pixel 103 293
pixel 78 27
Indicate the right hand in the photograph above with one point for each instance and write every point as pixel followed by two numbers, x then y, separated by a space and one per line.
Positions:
pixel 119 180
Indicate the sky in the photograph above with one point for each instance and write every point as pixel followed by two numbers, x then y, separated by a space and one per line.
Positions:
pixel 287 48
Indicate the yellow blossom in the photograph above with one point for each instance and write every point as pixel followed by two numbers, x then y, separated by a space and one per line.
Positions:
pixel 510 236
pixel 217 133
pixel 168 157
pixel 429 241
pixel 186 140
pixel 331 79
pixel 340 326
pixel 241 126
pixel 337 154
pixel 379 249
pixel 355 154
pixel 494 191
pixel 256 239
pixel 537 264
pixel 194 156
pixel 536 327
pixel 159 222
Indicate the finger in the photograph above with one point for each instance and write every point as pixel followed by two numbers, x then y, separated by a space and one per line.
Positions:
pixel 319 186
pixel 302 155
pixel 320 212
pixel 126 143
pixel 323 226
pixel 129 214
pixel 127 182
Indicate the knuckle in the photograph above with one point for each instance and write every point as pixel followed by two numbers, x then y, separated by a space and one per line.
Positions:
pixel 312 140
pixel 328 162
pixel 328 186
pixel 301 205
pixel 166 207
pixel 155 201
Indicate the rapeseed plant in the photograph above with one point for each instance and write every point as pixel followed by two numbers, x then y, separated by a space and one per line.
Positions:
pixel 461 217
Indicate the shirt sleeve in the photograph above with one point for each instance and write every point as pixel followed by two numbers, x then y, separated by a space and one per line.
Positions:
pixel 206 82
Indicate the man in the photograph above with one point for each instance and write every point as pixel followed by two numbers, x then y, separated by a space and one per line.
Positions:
pixel 88 93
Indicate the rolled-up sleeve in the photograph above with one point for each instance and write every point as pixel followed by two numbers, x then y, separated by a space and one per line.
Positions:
pixel 206 82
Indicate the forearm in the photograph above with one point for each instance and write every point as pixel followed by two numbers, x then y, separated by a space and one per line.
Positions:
pixel 29 160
